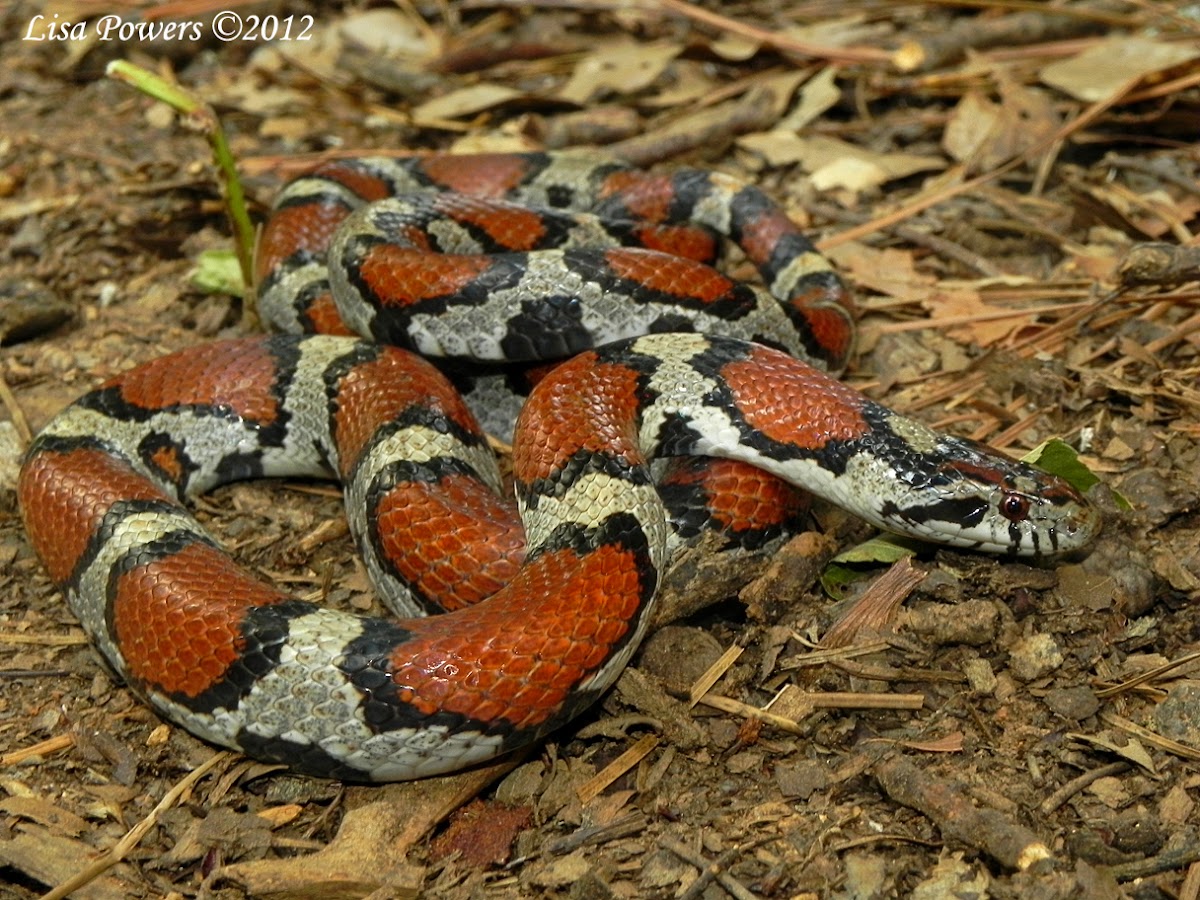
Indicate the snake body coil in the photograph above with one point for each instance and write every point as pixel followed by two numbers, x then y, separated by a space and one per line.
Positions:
pixel 243 664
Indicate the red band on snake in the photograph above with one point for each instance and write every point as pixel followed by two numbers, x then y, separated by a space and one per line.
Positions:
pixel 241 663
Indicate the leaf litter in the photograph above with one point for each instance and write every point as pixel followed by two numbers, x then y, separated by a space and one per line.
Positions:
pixel 1012 192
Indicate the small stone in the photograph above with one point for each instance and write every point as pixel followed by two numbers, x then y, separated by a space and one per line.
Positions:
pixel 523 784
pixel 953 878
pixel 1109 791
pixel 1176 807
pixel 28 309
pixel 1138 830
pixel 745 762
pixel 1006 687
pixel 943 585
pixel 801 780
pixel 1092 847
pixel 662 870
pixel 560 873
pixel 1178 717
pixel 12 452
pixel 980 676
pixel 1089 590
pixel 1034 657
pixel 1075 703
pixel 591 887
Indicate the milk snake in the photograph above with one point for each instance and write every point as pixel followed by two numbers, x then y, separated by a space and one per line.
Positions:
pixel 241 663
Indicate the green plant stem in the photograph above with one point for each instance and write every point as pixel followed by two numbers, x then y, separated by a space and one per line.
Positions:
pixel 201 115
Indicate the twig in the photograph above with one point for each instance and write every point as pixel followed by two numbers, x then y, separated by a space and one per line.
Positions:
pixel 704 128
pixel 810 700
pixel 1159 264
pixel 794 696
pixel 737 708
pixel 821 657
pixel 626 826
pixel 41 748
pixel 1075 785
pixel 1190 889
pixel 713 674
pixel 957 817
pixel 1167 861
pixel 43 640
pixel 968 319
pixel 1148 675
pixel 775 39
pixel 591 788
pixel 709 870
pixel 1032 25
pixel 1150 737
pixel 125 845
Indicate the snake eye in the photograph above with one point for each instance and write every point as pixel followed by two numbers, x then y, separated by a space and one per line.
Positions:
pixel 1015 507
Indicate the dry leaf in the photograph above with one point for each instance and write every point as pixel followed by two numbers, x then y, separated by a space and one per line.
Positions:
pixel 618 67
pixel 40 855
pixel 949 743
pixel 463 102
pixel 1104 69
pixel 986 134
pixel 972 121
pixel 1154 213
pixel 836 164
pixel 1129 748
pixel 45 812
pixel 891 272
pixel 690 81
pixel 961 302
pixel 277 816
pixel 734 47
pixel 818 96
pixel 388 32
pixel 848 31
pixel 250 96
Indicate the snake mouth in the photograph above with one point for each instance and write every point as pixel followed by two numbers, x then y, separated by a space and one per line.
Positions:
pixel 1037 531
pixel 1059 534
pixel 1084 526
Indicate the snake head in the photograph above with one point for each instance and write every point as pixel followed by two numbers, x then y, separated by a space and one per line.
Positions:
pixel 1017 509
pixel 960 492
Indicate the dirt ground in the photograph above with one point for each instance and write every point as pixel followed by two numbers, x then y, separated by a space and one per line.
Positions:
pixel 1012 195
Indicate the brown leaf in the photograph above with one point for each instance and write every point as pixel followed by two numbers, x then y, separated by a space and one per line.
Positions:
pixel 985 134
pixel 465 101
pixel 44 812
pixel 618 67
pixel 837 164
pixel 1106 68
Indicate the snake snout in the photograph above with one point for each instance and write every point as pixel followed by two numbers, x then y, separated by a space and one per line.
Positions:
pixel 1061 521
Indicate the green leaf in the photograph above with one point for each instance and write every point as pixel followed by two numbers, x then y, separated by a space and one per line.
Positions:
pixel 883 549
pixel 1059 458
pixel 836 578
pixel 218 272
pixel 851 565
